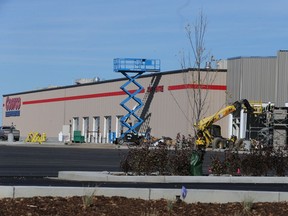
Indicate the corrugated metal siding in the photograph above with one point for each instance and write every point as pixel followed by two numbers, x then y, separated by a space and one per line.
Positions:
pixel 257 82
pixel 251 78
pixel 281 93
pixel 234 79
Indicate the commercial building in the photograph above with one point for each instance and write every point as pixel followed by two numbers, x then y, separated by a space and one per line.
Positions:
pixel 263 81
pixel 93 108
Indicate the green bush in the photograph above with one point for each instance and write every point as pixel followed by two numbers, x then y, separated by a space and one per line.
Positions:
pixel 258 162
pixel 217 166
pixel 279 162
pixel 143 160
pixel 179 161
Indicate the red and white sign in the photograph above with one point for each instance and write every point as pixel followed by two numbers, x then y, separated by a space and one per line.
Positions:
pixel 13 103
pixel 13 106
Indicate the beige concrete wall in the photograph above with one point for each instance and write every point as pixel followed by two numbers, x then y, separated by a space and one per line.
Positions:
pixel 166 112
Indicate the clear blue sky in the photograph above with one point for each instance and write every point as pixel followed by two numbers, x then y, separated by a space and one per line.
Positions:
pixel 54 42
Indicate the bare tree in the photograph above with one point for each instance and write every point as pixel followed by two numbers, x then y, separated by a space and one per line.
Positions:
pixel 198 78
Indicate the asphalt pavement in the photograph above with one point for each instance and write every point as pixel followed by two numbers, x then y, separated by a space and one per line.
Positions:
pixel 200 189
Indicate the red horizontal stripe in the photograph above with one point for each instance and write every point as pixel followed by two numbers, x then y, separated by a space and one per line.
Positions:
pixel 79 97
pixel 196 86
pixel 118 93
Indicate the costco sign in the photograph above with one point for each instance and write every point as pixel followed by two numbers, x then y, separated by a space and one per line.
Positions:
pixel 13 106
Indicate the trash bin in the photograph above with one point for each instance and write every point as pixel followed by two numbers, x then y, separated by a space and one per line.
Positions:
pixel 78 138
pixel 196 164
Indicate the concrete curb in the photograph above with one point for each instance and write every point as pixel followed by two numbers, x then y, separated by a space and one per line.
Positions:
pixel 115 177
pixel 193 195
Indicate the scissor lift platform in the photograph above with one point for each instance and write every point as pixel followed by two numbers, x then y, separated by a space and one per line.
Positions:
pixel 136 66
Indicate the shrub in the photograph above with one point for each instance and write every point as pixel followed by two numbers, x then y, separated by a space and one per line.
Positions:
pixel 143 160
pixel 256 163
pixel 185 143
pixel 180 157
pixel 260 162
pixel 232 162
pixel 217 166
pixel 279 162
pixel 179 161
pixel 229 165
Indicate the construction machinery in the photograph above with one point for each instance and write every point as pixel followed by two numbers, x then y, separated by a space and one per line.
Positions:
pixel 136 67
pixel 209 134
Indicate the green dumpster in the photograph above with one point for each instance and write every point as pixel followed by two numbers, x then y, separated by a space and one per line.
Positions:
pixel 78 138
pixel 196 164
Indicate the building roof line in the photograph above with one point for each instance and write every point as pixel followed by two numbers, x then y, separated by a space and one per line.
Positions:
pixel 242 57
pixel 112 80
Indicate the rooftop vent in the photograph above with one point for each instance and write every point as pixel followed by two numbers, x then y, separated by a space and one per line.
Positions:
pixel 86 80
pixel 222 64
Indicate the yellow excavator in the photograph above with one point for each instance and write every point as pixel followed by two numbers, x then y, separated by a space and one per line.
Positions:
pixel 209 134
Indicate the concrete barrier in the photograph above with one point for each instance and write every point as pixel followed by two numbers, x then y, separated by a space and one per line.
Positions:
pixel 111 177
pixel 259 179
pixel 144 179
pixel 193 195
pixel 33 191
pixel 222 196
pixel 6 191
pixel 141 193
pixel 83 176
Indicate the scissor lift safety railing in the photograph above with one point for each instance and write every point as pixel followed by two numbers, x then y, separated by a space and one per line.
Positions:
pixel 137 67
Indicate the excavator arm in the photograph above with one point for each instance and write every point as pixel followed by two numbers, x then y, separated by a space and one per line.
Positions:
pixel 203 135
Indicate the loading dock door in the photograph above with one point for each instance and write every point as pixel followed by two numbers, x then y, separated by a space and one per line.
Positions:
pixel 96 130
pixel 85 131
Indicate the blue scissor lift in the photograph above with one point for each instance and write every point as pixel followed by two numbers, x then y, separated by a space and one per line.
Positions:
pixel 132 68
